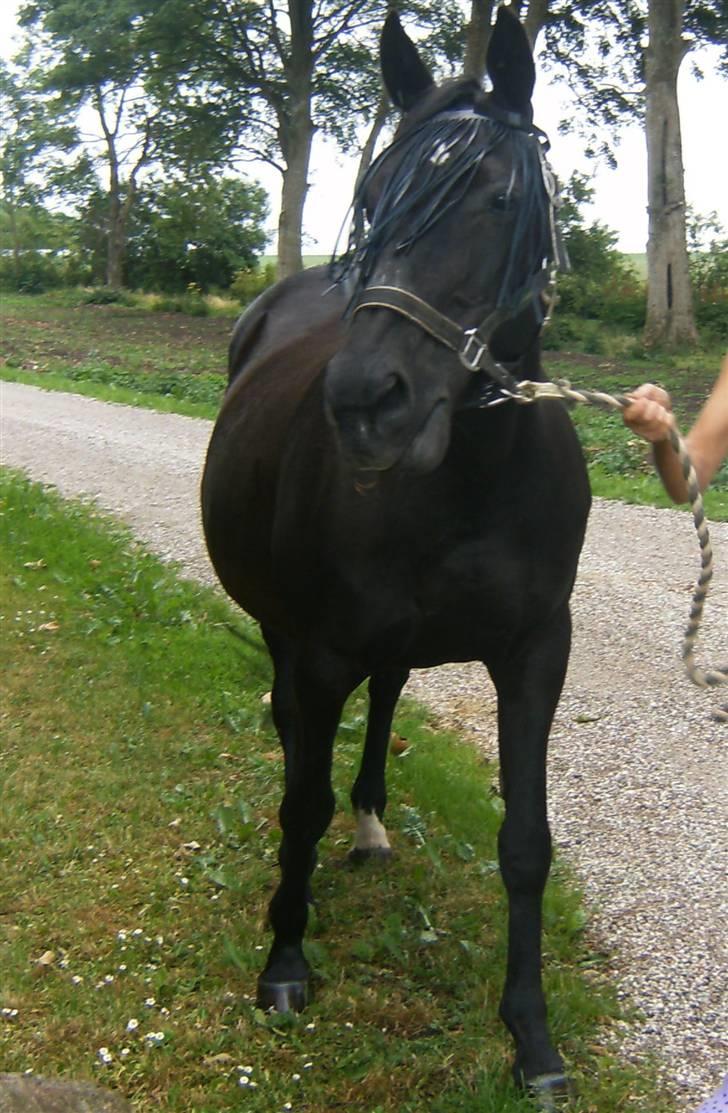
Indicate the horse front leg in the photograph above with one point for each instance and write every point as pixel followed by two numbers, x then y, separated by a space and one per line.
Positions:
pixel 321 686
pixel 369 791
pixel 283 693
pixel 529 685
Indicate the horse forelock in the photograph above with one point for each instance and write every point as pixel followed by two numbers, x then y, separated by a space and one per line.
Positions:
pixel 456 92
pixel 434 156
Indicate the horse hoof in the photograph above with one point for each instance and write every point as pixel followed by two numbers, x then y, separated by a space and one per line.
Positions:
pixel 380 854
pixel 282 997
pixel 550 1092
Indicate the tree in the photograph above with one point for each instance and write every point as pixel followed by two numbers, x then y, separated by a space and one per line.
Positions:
pixel 100 54
pixel 199 234
pixel 601 283
pixel 281 73
pixel 91 54
pixel 622 61
pixel 35 138
pixel 274 74
pixel 670 317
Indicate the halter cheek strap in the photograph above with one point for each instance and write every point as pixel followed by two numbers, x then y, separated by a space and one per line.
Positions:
pixel 472 345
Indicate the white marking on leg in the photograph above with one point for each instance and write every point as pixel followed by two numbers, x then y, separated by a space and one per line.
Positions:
pixel 370 833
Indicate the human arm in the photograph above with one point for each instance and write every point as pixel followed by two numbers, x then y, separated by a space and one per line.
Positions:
pixel 707 441
pixel 650 416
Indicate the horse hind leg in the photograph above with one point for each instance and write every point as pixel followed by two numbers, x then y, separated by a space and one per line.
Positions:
pixel 320 687
pixel 369 791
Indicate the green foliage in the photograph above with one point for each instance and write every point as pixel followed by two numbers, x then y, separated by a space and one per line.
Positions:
pixel 191 303
pixel 107 295
pixel 708 243
pixel 32 272
pixel 199 234
pixel 34 227
pixel 105 58
pixel 601 285
pixel 38 138
pixel 252 281
pixel 206 389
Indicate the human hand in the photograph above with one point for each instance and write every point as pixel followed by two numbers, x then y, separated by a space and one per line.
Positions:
pixel 650 413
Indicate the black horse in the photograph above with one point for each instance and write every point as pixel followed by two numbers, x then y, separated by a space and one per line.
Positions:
pixel 370 503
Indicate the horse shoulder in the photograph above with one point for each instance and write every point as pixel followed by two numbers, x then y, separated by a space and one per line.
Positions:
pixel 302 308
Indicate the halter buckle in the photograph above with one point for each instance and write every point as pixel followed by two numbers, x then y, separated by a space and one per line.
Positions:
pixel 473 350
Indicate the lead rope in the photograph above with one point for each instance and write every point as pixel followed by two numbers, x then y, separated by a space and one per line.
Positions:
pixel 528 391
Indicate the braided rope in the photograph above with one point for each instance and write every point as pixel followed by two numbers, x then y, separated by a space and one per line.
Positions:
pixel 529 391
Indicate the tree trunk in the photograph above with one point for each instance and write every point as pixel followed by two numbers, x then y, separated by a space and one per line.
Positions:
pixel 115 228
pixel 535 19
pixel 670 319
pixel 15 237
pixel 477 37
pixel 367 151
pixel 297 154
pixel 115 239
pixel 296 135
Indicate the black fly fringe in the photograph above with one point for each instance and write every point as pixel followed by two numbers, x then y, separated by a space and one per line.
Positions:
pixel 433 167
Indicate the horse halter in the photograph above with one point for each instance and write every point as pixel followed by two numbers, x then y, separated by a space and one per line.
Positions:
pixel 472 345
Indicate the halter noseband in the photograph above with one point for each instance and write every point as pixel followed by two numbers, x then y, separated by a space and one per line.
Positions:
pixel 472 345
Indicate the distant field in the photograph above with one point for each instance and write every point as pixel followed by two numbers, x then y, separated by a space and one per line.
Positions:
pixel 308 260
pixel 638 261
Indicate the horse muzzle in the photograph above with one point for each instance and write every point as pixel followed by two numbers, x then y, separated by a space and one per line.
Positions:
pixel 380 423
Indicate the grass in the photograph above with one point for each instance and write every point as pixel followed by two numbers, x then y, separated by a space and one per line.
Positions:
pixel 176 363
pixel 619 463
pixel 116 353
pixel 140 782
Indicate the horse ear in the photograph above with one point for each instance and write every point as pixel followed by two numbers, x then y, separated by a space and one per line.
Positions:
pixel 509 62
pixel 406 76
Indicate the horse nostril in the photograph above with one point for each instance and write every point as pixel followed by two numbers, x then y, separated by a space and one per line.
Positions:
pixel 392 399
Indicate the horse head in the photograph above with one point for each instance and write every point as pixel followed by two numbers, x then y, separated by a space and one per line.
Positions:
pixel 453 240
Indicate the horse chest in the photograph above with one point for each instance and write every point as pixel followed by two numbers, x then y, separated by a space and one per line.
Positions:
pixel 420 589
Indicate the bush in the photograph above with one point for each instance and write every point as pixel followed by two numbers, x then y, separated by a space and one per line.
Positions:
pixel 712 314
pixel 619 300
pixel 248 284
pixel 202 233
pixel 601 286
pixel 108 295
pixel 32 273
pixel 191 303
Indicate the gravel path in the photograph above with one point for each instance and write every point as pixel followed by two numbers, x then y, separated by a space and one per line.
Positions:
pixel 638 783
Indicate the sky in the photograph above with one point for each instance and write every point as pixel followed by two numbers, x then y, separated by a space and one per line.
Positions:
pixel 620 197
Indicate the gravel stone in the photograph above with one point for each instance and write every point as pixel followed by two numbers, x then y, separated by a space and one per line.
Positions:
pixel 638 783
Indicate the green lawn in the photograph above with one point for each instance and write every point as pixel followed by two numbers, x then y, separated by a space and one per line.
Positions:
pixel 140 780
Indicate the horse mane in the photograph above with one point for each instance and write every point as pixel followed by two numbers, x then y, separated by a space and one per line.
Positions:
pixel 454 120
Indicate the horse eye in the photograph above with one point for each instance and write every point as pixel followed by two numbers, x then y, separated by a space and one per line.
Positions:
pixel 503 202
